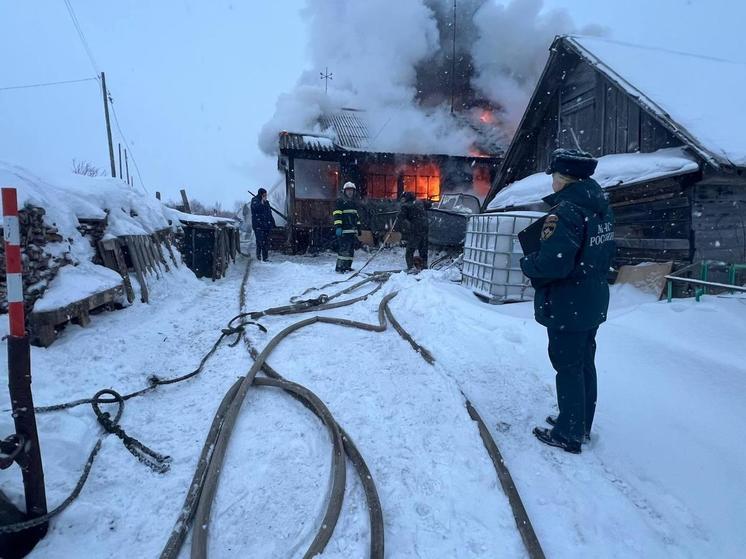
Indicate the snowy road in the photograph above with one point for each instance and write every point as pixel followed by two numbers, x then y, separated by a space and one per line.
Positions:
pixel 663 477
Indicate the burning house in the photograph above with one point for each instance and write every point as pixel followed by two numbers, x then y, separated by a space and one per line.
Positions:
pixel 316 165
pixel 667 128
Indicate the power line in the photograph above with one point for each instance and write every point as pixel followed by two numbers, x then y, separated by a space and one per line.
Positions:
pixel 92 59
pixel 46 84
pixel 83 40
pixel 124 139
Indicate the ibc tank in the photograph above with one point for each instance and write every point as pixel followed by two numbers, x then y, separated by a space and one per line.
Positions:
pixel 492 256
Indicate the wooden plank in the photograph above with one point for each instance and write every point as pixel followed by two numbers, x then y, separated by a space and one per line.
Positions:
pixel 621 123
pixel 42 324
pixel 654 244
pixel 145 255
pixel 157 247
pixel 138 265
pixel 633 128
pixel 215 240
pixel 123 271
pixel 167 242
pixel 156 254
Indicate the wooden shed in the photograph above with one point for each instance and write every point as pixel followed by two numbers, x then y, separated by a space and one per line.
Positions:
pixel 668 129
pixel 317 165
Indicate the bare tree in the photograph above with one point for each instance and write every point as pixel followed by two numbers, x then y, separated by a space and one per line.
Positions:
pixel 87 169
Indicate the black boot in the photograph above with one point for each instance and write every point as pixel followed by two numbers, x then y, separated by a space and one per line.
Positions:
pixel 551 420
pixel 547 436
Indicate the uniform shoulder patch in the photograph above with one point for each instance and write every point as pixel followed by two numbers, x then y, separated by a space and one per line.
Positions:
pixel 550 224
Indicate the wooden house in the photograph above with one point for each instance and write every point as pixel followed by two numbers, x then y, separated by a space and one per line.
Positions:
pixel 317 165
pixel 669 130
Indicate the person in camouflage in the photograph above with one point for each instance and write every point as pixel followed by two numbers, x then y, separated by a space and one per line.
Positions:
pixel 415 229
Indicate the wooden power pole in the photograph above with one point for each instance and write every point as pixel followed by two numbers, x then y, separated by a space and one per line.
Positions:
pixel 108 125
pixel 127 166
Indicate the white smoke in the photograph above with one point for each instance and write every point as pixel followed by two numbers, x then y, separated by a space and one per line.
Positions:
pixel 511 50
pixel 392 58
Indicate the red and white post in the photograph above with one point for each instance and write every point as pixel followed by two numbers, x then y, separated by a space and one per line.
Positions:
pixel 19 373
pixel 13 264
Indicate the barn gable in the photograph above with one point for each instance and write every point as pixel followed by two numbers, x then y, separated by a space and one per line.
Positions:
pixel 676 117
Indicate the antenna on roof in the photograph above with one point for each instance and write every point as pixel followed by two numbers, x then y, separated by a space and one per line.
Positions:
pixel 326 76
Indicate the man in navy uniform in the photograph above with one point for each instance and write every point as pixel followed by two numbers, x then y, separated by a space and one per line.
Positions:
pixel 569 274
pixel 262 221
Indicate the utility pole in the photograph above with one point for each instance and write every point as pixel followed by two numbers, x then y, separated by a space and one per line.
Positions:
pixel 120 160
pixel 126 166
pixel 326 76
pixel 453 58
pixel 108 124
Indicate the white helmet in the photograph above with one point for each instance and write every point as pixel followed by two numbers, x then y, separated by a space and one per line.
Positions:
pixel 349 185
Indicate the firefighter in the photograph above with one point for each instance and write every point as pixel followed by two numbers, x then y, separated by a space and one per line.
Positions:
pixel 347 227
pixel 262 221
pixel 413 217
pixel 569 274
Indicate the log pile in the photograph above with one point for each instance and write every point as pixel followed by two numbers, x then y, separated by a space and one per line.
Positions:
pixel 39 267
pixel 94 230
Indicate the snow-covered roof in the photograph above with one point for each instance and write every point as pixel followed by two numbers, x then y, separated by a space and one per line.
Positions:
pixel 702 97
pixel 176 215
pixel 306 141
pixel 613 170
pixel 68 197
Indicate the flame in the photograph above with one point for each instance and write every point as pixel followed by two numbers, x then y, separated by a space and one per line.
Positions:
pixel 486 116
pixel 422 178
pixel 474 151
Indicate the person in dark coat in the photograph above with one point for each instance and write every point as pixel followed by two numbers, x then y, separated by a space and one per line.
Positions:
pixel 347 227
pixel 415 228
pixel 569 274
pixel 262 221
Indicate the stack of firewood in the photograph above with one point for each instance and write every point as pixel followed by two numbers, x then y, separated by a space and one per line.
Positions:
pixel 39 266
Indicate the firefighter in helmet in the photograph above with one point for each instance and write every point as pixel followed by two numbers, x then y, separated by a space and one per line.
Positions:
pixel 347 227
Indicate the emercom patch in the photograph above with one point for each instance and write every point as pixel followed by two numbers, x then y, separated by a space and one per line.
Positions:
pixel 550 224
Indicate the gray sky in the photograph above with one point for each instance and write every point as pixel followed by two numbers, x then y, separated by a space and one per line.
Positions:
pixel 194 81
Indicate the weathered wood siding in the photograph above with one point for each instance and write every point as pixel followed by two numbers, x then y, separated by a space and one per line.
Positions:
pixel 605 119
pixel 653 222
pixel 719 222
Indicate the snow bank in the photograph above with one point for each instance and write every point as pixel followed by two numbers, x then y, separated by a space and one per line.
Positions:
pixel 74 283
pixel 613 170
pixel 702 94
pixel 69 198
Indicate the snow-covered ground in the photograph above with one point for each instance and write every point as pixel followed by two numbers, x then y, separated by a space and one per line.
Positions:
pixel 662 478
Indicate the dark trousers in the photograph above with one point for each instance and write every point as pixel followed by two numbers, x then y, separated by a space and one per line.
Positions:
pixel 419 243
pixel 262 244
pixel 345 252
pixel 573 357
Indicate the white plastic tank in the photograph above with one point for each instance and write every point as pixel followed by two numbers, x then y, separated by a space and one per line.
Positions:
pixel 492 256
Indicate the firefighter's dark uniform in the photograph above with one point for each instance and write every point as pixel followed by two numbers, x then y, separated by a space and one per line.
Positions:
pixel 415 229
pixel 570 274
pixel 262 221
pixel 346 217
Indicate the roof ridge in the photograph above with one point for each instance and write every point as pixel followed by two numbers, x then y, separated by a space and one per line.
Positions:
pixel 576 36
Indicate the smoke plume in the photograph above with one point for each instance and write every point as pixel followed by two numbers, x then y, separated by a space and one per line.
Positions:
pixel 395 60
